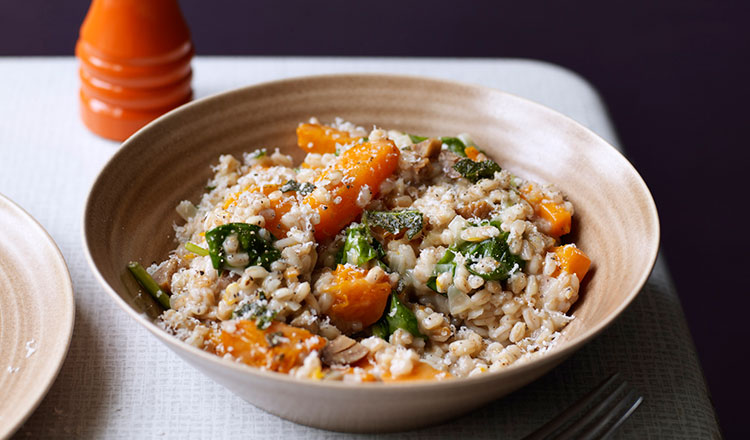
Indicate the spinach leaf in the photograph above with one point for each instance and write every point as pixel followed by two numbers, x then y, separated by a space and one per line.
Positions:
pixel 417 139
pixel 476 171
pixel 257 311
pixel 302 188
pixel 497 249
pixel 395 221
pixel 253 240
pixel 397 315
pixel 455 145
pixel 359 247
pixel 380 329
pixel 445 264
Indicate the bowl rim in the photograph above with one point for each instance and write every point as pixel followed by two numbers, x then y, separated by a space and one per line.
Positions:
pixel 555 353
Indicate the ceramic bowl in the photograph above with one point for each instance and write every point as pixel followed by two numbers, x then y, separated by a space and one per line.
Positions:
pixel 130 212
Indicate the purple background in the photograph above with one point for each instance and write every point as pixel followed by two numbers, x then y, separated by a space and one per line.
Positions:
pixel 673 73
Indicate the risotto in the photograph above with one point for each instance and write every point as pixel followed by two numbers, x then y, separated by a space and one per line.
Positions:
pixel 384 256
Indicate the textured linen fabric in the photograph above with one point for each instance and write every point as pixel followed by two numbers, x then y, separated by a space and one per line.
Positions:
pixel 119 382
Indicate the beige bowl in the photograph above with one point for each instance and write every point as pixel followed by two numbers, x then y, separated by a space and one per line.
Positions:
pixel 130 212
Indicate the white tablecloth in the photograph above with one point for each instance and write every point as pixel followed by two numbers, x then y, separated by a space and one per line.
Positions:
pixel 119 382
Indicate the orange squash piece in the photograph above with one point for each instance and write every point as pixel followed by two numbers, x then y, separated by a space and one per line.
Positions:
pixel 421 371
pixel 280 347
pixel 531 194
pixel 354 298
pixel 472 152
pixel 321 139
pixel 361 369
pixel 367 164
pixel 557 216
pixel 572 260
pixel 280 207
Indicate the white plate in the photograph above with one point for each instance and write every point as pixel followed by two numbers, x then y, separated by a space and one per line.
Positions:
pixel 36 314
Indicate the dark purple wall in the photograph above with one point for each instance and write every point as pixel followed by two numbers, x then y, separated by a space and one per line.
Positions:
pixel 674 74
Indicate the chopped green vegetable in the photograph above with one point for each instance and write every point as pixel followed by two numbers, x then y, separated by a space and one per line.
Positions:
pixel 253 240
pixel 302 188
pixel 363 140
pixel 400 316
pixel 476 171
pixel 395 221
pixel 455 145
pixel 258 311
pixel 359 247
pixel 445 264
pixel 417 139
pixel 210 188
pixel 148 283
pixel 397 315
pixel 194 248
pixel 494 222
pixel 259 153
pixel 497 249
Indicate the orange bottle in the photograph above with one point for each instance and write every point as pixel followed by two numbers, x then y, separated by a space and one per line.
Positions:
pixel 135 64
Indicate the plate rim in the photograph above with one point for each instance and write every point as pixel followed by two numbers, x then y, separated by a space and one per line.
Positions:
pixel 8 427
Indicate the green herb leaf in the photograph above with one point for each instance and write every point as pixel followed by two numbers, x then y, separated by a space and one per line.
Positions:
pixel 497 249
pixel 455 145
pixel 417 139
pixel 397 315
pixel 253 240
pixel 476 171
pixel 380 329
pixel 395 221
pixel 359 247
pixel 210 188
pixel 445 264
pixel 257 311
pixel 302 188
pixel 259 153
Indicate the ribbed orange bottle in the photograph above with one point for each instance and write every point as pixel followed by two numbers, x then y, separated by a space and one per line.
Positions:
pixel 134 64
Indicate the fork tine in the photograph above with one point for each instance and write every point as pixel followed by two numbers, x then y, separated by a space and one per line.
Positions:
pixel 622 418
pixel 570 413
pixel 595 431
pixel 592 414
